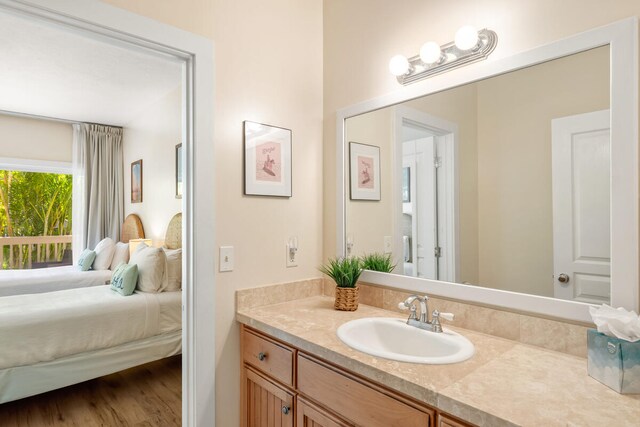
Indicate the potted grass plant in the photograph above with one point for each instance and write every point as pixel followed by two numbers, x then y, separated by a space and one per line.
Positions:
pixel 377 262
pixel 345 272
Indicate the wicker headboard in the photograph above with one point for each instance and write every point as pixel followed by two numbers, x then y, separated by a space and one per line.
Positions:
pixel 132 228
pixel 173 238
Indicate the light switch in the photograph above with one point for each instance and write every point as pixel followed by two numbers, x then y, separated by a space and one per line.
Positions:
pixel 388 245
pixel 226 258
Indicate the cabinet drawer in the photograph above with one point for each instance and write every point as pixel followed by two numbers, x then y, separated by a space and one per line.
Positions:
pixel 355 400
pixel 268 356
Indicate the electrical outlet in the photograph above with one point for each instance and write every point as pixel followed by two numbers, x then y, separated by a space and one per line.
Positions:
pixel 226 258
pixel 292 252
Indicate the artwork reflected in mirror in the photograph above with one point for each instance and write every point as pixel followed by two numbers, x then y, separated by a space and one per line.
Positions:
pixel 502 183
pixel 364 172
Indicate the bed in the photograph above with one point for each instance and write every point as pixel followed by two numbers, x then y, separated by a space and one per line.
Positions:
pixel 17 282
pixel 53 340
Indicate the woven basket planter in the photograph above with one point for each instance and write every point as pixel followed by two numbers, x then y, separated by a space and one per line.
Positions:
pixel 347 299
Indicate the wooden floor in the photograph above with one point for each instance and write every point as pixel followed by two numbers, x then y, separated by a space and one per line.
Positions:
pixel 147 395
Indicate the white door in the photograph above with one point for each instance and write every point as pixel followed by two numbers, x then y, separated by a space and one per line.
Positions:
pixel 422 152
pixel 581 207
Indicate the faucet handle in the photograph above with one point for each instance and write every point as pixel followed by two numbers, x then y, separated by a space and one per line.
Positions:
pixel 404 306
pixel 435 320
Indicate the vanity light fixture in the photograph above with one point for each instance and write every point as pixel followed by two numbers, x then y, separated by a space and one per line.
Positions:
pixel 470 45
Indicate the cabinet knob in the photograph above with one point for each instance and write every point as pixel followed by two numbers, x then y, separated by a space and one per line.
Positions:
pixel 262 356
pixel 563 278
pixel 286 410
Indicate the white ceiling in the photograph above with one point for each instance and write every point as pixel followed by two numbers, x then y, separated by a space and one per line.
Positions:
pixel 53 71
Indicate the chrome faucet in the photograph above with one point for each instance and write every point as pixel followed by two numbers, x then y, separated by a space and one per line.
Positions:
pixel 423 322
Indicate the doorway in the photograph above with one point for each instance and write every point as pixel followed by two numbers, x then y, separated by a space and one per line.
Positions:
pixel 425 213
pixel 99 20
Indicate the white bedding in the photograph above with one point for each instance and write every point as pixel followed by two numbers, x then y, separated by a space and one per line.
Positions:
pixel 43 327
pixel 20 282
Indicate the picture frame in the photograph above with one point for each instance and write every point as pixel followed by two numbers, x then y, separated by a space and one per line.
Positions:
pixel 364 171
pixel 267 160
pixel 179 171
pixel 136 181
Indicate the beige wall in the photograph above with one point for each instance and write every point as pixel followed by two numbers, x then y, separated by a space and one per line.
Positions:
pixel 152 136
pixel 26 138
pixel 369 221
pixel 268 68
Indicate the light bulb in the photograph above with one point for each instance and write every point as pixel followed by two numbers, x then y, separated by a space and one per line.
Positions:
pixel 430 52
pixel 399 65
pixel 466 38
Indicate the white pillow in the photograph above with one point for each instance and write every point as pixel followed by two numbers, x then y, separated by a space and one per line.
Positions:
pixel 173 270
pixel 104 254
pixel 120 255
pixel 151 264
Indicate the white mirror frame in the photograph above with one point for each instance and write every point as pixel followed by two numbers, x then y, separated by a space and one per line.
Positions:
pixel 622 37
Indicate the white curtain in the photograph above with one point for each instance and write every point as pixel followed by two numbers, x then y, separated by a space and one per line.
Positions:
pixel 98 185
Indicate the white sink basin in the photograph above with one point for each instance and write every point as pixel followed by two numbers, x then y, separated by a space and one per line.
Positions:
pixel 394 339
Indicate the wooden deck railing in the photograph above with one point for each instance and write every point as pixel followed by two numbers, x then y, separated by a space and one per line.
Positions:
pixel 22 252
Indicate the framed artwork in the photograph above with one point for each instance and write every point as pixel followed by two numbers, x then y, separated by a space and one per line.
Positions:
pixel 364 162
pixel 267 160
pixel 136 181
pixel 179 171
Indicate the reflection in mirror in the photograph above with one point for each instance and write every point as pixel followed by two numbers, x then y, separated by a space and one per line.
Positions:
pixel 503 183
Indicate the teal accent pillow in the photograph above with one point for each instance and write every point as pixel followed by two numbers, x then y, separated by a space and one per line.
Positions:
pixel 86 259
pixel 124 278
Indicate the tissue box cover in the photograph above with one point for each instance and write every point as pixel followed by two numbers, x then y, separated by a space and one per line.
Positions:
pixel 614 362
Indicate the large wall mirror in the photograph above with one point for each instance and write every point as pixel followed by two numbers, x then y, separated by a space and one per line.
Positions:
pixel 513 181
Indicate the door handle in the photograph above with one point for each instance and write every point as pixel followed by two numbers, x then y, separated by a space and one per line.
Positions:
pixel 563 278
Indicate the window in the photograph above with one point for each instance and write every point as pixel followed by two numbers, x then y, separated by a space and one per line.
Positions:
pixel 35 218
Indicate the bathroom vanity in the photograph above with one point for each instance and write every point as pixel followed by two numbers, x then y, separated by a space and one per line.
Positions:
pixel 297 372
pixel 284 386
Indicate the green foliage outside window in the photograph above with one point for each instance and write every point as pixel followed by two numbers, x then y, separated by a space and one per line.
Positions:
pixel 34 204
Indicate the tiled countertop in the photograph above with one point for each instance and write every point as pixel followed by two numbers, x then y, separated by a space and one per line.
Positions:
pixel 504 384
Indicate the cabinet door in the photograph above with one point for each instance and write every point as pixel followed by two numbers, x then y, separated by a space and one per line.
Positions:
pixel 445 421
pixel 266 404
pixel 309 415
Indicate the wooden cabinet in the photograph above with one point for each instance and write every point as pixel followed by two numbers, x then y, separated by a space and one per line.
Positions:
pixel 445 421
pixel 282 385
pixel 267 404
pixel 309 415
